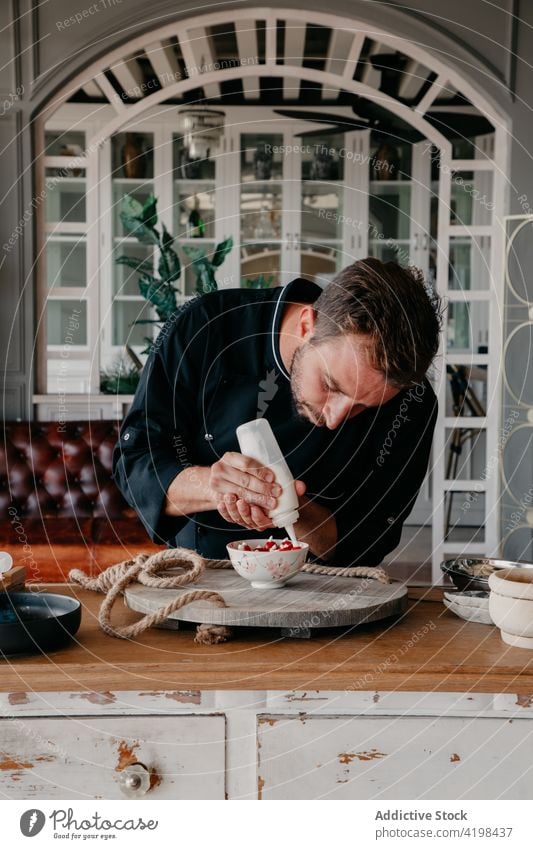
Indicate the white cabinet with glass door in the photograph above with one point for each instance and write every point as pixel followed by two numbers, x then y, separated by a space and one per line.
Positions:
pixel 294 206
pixel 69 305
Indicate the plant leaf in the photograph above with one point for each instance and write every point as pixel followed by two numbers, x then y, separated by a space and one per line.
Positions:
pixel 259 282
pixel 149 211
pixel 160 295
pixel 205 276
pixel 222 250
pixel 144 234
pixel 131 216
pixel 130 206
pixel 194 253
pixel 143 266
pixel 173 265
pixel 166 239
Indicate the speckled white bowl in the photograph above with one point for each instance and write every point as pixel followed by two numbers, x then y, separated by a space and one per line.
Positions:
pixel 266 570
pixel 511 605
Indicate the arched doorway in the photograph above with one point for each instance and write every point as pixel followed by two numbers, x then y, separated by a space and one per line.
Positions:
pixel 437 202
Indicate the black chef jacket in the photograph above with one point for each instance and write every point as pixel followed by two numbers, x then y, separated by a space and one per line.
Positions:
pixel 215 365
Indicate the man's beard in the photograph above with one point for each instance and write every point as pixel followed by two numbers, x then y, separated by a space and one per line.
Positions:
pixel 303 409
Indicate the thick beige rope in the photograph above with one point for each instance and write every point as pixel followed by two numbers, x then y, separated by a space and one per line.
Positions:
pixel 145 568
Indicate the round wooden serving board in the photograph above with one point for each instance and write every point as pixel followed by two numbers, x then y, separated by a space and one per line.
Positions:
pixel 306 602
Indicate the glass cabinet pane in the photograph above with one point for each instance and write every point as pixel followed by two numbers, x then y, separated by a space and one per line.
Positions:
pixel 260 264
pixel 389 211
pixel 186 168
pixel 389 160
pixel 323 158
pixel 466 390
pixel 466 452
pixel 188 280
pixel 66 262
pixel 468 326
pixel 470 266
pixel 64 143
pixel 320 263
pixel 194 211
pixel 125 279
pixel 125 313
pixel 261 211
pixel 140 192
pixel 132 156
pixel 471 198
pixel 389 250
pixel 261 156
pixel 66 322
pixel 65 198
pixel 321 211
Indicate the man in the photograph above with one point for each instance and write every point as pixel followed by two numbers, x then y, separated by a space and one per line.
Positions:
pixel 339 373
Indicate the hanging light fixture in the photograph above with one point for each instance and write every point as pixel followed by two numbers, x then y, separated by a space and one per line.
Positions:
pixel 202 129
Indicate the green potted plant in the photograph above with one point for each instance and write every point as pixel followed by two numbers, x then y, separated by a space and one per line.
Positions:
pixel 259 282
pixel 140 220
pixel 119 379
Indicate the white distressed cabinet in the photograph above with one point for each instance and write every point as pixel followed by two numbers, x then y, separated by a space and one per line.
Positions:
pixel 88 757
pixel 265 745
pixel 393 757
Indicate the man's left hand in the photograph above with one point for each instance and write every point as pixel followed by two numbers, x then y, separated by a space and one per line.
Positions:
pixel 241 512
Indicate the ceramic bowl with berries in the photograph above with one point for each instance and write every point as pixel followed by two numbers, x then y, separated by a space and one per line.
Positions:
pixel 267 564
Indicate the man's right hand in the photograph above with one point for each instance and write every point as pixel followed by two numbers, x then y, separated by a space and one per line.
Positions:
pixel 240 476
pixel 233 480
pixel 246 490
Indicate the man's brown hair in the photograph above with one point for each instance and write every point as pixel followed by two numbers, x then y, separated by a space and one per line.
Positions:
pixel 391 307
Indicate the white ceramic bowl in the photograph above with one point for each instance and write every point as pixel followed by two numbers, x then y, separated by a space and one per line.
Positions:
pixel 511 605
pixel 266 570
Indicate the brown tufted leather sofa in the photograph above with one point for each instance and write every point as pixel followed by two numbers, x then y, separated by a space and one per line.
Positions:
pixel 59 508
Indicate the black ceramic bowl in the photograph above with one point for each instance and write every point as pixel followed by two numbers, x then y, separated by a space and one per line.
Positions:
pixel 33 623
pixel 460 570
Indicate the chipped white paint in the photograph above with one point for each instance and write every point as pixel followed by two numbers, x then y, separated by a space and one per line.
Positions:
pixel 82 757
pixel 355 744
pixel 406 757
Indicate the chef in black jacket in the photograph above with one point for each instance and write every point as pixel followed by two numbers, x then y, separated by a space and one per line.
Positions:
pixel 344 389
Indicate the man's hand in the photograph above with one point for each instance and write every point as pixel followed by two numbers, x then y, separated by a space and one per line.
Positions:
pixel 240 489
pixel 247 490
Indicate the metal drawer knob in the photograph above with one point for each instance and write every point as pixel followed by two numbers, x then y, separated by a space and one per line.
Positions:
pixel 134 780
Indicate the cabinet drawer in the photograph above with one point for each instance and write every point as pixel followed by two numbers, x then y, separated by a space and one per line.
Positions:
pixel 394 757
pixel 92 758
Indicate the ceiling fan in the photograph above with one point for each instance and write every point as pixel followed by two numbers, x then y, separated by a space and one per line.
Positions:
pixel 367 116
pixel 371 116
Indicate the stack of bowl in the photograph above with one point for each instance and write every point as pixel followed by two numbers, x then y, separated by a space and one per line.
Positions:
pixel 511 605
pixel 503 588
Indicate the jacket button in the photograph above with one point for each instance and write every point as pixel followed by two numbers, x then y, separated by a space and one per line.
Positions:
pixel 390 520
pixel 208 437
pixel 126 437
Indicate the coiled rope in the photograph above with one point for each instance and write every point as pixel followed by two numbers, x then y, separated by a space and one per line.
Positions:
pixel 144 569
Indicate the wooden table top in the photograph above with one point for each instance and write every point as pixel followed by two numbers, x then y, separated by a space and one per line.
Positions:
pixel 427 649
